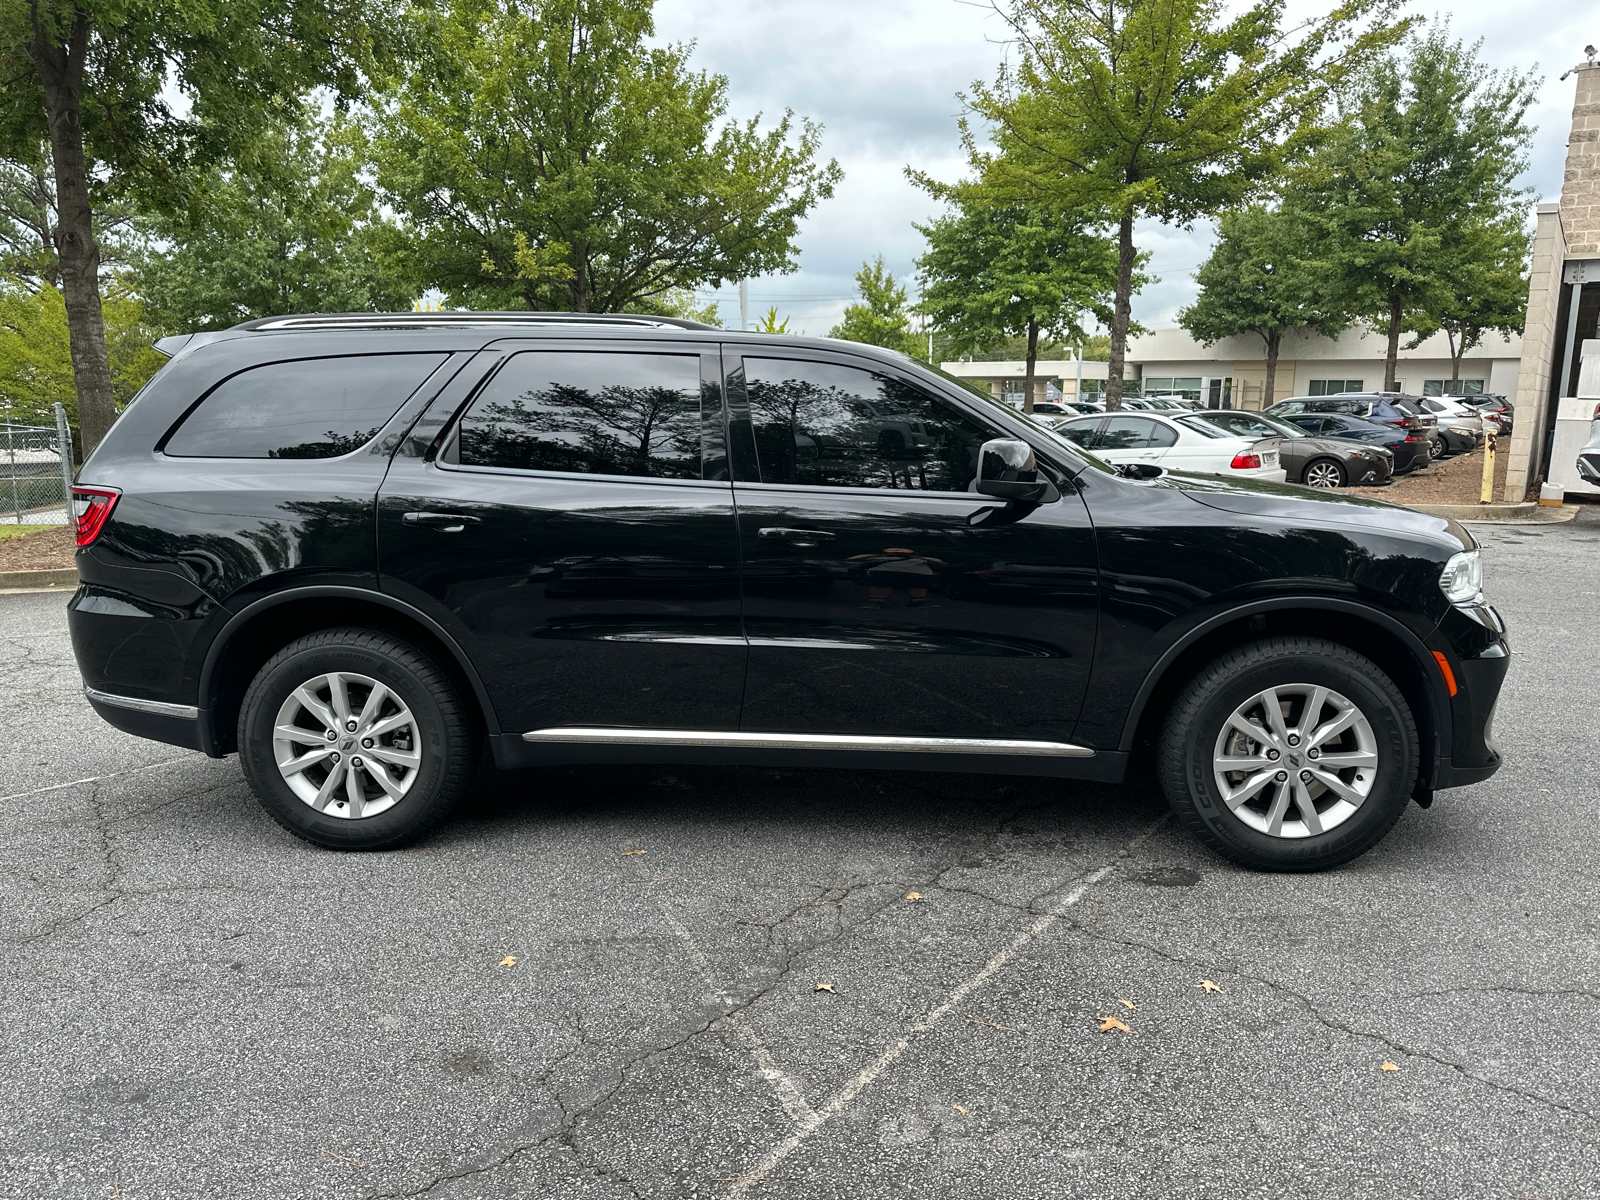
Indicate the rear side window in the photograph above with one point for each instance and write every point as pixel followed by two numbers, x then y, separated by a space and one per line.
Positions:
pixel 1129 433
pixel 1081 433
pixel 312 408
pixel 606 413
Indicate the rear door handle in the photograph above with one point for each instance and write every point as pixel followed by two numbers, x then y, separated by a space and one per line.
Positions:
pixel 797 537
pixel 443 522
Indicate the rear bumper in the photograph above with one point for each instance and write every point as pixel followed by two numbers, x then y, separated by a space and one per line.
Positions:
pixel 175 724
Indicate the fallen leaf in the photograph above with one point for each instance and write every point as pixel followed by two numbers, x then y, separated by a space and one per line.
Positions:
pixel 990 1024
pixel 824 987
pixel 1205 985
pixel 1128 1004
pixel 1107 1024
pixel 627 853
pixel 509 960
pixel 913 895
pixel 1389 1066
pixel 352 1161
pixel 960 1109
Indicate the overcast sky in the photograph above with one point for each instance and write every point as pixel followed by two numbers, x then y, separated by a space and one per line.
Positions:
pixel 882 77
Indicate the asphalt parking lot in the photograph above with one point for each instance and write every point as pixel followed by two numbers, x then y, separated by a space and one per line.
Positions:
pixel 604 982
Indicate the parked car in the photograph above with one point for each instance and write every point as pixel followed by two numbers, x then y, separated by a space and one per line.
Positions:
pixel 1314 461
pixel 1168 442
pixel 1461 425
pixel 1589 454
pixel 1386 408
pixel 1064 408
pixel 1407 449
pixel 1496 408
pixel 356 549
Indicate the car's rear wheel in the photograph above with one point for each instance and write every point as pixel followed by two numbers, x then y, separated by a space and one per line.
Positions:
pixel 355 739
pixel 1324 473
pixel 1289 754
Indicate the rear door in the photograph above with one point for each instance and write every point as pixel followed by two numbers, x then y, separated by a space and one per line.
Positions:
pixel 570 520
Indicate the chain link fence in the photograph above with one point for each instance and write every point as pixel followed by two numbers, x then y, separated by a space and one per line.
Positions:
pixel 36 473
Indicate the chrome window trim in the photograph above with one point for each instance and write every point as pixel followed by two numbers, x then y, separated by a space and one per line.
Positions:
pixel 160 708
pixel 806 741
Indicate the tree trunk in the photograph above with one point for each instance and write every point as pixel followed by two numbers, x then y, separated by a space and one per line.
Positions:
pixel 1122 314
pixel 1274 342
pixel 1391 356
pixel 60 71
pixel 580 278
pixel 1033 355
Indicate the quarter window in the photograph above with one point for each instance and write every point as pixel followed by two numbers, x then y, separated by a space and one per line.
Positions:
pixel 588 413
pixel 312 408
pixel 831 425
pixel 1132 433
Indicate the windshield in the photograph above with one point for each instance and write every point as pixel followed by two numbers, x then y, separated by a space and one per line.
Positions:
pixel 1238 424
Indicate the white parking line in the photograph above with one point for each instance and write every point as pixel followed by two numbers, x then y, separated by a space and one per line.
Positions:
pixel 56 787
pixel 837 1102
pixel 800 1112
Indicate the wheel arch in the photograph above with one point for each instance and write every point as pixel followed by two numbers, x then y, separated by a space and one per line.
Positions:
pixel 1378 636
pixel 260 630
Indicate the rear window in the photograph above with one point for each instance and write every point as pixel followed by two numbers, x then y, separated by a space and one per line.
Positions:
pixel 311 408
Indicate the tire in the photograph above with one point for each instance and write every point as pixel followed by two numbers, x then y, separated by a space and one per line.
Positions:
pixel 1437 448
pixel 1323 473
pixel 1198 729
pixel 424 737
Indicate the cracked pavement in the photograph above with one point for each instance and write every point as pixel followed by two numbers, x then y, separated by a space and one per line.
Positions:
pixel 196 1005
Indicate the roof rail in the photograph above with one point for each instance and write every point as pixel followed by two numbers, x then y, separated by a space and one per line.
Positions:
pixel 414 320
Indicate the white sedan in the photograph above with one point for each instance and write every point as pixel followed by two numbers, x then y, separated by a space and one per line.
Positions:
pixel 1147 437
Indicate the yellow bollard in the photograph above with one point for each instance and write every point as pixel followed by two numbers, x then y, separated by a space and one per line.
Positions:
pixel 1486 496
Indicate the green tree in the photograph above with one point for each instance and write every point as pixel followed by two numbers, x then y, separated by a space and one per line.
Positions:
pixel 36 357
pixel 1256 281
pixel 1171 109
pixel 1406 192
pixel 882 317
pixel 770 323
pixel 677 302
pixel 992 273
pixel 1486 288
pixel 295 229
pixel 93 79
pixel 28 225
pixel 544 156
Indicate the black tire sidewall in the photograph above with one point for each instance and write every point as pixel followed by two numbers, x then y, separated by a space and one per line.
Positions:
pixel 1344 477
pixel 1392 731
pixel 417 811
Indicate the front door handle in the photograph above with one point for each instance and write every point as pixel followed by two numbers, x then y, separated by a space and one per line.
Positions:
pixel 797 537
pixel 443 522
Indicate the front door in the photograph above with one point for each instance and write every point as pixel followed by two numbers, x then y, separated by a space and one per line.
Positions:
pixel 574 529
pixel 882 597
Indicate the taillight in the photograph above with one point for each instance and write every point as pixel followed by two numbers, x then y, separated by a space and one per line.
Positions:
pixel 1245 462
pixel 1397 420
pixel 92 506
pixel 1597 412
pixel 1414 436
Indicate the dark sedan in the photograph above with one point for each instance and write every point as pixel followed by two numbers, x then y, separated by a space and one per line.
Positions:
pixel 1320 462
pixel 1409 450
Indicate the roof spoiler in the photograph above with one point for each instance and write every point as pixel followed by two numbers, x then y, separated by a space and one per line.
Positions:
pixel 179 342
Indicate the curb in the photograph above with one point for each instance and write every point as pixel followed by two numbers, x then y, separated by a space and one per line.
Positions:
pixel 38 581
pixel 1531 513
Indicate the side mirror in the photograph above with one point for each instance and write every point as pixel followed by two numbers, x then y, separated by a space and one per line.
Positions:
pixel 1008 471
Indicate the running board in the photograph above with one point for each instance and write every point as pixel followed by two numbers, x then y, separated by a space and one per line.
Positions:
pixel 795 741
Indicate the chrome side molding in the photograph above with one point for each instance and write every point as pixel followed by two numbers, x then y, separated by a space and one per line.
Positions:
pixel 805 741
pixel 184 712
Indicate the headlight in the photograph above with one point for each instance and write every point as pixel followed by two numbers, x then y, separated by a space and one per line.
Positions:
pixel 1462 579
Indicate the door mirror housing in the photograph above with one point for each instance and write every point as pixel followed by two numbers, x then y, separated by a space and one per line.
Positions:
pixel 1008 471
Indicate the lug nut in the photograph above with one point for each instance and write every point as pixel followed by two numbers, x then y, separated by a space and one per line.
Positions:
pixel 1305 776
pixel 356 762
pixel 335 757
pixel 1272 755
pixel 1313 753
pixel 350 725
pixel 332 736
pixel 367 742
pixel 1281 776
pixel 1294 739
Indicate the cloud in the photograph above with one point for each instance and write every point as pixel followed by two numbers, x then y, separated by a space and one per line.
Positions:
pixel 882 77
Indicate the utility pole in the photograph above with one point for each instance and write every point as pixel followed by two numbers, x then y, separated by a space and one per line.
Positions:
pixel 744 304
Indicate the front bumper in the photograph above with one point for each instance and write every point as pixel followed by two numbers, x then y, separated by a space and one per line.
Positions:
pixel 1479 655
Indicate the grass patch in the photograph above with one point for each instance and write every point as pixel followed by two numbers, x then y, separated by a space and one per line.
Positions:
pixel 11 531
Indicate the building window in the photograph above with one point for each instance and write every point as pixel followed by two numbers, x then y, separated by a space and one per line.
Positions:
pixel 1166 385
pixel 1452 387
pixel 1332 387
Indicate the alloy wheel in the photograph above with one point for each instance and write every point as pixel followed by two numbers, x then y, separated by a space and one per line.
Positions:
pixel 347 745
pixel 1295 760
pixel 1324 475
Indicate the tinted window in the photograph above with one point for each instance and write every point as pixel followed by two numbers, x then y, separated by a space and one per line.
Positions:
pixel 588 413
pixel 1080 433
pixel 313 408
pixel 831 425
pixel 1314 424
pixel 1164 435
pixel 1128 433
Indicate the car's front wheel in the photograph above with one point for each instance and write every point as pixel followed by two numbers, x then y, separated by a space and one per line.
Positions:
pixel 1438 447
pixel 355 739
pixel 1324 473
pixel 1289 754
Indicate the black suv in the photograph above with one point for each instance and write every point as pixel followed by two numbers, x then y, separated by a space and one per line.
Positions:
pixel 355 548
